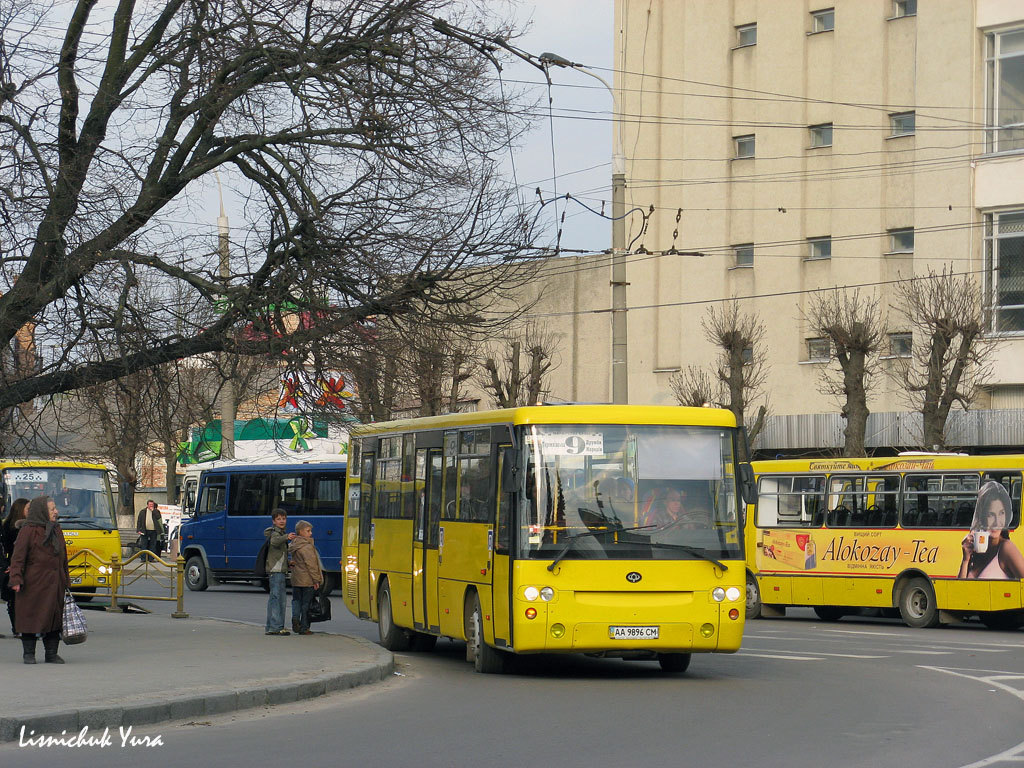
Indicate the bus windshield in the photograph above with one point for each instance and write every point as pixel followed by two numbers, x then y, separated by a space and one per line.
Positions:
pixel 629 492
pixel 82 495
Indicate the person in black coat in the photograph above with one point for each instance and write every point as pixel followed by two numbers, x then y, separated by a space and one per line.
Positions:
pixel 8 535
pixel 150 526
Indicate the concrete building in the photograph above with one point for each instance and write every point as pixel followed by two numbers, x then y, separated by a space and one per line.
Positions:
pixel 790 146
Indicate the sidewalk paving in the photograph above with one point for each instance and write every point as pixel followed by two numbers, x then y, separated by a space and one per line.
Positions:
pixel 137 669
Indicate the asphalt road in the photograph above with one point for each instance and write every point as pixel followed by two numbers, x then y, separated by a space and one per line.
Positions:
pixel 800 693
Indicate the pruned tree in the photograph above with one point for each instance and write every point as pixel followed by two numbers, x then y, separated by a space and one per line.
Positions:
pixel 365 136
pixel 520 375
pixel 739 372
pixel 854 327
pixel 441 365
pixel 694 387
pixel 951 356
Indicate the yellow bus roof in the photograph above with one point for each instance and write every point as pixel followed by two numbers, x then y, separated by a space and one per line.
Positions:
pixel 57 463
pixel 673 415
pixel 917 461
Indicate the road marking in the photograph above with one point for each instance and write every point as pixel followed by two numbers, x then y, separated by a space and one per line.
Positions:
pixel 1012 755
pixel 781 656
pixel 837 655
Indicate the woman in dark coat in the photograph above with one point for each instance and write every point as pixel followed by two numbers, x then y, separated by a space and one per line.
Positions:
pixel 39 575
pixel 8 534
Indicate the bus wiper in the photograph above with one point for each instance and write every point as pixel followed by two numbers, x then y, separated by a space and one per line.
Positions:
pixel 695 551
pixel 569 542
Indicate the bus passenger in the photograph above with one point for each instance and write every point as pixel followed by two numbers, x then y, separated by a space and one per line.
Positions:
pixel 39 574
pixel 988 551
pixel 277 571
pixel 12 524
pixel 306 574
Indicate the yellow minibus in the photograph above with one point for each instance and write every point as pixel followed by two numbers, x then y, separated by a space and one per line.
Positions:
pixel 928 537
pixel 550 529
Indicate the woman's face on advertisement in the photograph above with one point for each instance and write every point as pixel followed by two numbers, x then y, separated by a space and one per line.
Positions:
pixel 996 515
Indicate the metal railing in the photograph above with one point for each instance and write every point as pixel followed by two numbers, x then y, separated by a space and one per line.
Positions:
pixel 121 574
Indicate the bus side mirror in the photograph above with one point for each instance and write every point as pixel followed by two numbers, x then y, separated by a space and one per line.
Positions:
pixel 748 487
pixel 508 469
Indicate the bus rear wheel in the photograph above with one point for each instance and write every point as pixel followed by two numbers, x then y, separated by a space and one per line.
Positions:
pixel 674 662
pixel 195 574
pixel 753 597
pixel 391 637
pixel 917 605
pixel 485 659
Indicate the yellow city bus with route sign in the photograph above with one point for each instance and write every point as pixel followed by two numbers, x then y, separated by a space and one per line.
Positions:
pixel 928 537
pixel 85 510
pixel 528 530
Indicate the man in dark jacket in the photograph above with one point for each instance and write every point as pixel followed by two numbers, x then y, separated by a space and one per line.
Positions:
pixel 150 526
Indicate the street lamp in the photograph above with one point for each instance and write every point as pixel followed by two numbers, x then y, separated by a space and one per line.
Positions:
pixel 620 378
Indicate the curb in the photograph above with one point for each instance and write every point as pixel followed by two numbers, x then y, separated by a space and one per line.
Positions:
pixel 209 703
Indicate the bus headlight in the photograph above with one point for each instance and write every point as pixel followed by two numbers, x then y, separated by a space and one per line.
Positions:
pixel 531 593
pixel 547 594
pixel 718 594
pixel 103 569
pixel 732 594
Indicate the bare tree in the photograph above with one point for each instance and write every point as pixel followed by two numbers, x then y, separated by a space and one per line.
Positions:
pixel 441 365
pixel 739 372
pixel 854 328
pixel 693 386
pixel 520 378
pixel 951 356
pixel 365 136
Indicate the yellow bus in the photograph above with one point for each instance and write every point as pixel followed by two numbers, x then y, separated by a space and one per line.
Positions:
pixel 932 538
pixel 85 506
pixel 531 530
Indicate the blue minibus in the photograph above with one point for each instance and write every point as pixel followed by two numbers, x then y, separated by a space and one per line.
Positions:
pixel 221 539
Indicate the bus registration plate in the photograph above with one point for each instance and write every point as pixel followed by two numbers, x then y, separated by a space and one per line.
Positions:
pixel 633 633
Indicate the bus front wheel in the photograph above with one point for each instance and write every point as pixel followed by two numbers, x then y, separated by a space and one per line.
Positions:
pixel 195 574
pixel 674 662
pixel 753 598
pixel 917 605
pixel 391 637
pixel 485 659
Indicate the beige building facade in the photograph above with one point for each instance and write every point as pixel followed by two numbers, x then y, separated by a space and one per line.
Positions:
pixel 778 148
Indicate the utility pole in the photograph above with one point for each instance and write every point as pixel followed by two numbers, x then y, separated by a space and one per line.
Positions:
pixel 226 401
pixel 620 367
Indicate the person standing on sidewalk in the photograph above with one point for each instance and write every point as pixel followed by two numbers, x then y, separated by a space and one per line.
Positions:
pixel 306 574
pixel 9 534
pixel 277 571
pixel 39 576
pixel 150 526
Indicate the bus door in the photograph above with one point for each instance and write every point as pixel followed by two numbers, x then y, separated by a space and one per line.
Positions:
pixel 209 526
pixel 501 571
pixel 366 503
pixel 425 595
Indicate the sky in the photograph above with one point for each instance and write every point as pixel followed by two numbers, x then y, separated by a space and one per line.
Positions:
pixel 563 154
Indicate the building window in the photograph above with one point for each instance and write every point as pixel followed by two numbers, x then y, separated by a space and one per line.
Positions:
pixel 901 240
pixel 823 20
pixel 901 8
pixel 821 135
pixel 744 145
pixel 902 123
pixel 900 344
pixel 819 247
pixel 818 350
pixel 744 254
pixel 746 35
pixel 1004 269
pixel 1005 91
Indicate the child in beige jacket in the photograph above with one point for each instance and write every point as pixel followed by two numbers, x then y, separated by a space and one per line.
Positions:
pixel 306 574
